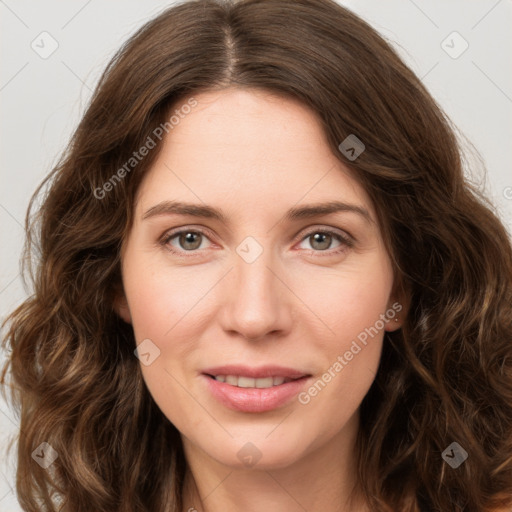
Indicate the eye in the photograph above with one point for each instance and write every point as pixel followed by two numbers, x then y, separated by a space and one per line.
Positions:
pixel 187 240
pixel 321 240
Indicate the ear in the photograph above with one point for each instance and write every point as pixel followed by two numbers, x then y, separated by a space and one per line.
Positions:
pixel 394 315
pixel 121 307
pixel 398 307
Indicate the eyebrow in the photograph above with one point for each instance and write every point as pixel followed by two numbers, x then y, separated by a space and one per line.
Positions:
pixel 296 213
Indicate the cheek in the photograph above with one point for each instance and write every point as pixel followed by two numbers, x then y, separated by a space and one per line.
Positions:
pixel 163 300
pixel 349 301
pixel 350 349
pixel 352 306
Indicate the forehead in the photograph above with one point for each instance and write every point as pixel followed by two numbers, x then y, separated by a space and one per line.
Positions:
pixel 250 149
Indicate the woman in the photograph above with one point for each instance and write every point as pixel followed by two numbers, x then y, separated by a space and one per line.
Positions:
pixel 184 349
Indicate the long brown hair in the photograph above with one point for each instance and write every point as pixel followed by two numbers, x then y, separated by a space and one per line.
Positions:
pixel 445 377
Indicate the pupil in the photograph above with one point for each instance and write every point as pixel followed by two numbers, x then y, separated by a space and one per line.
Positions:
pixel 318 237
pixel 189 239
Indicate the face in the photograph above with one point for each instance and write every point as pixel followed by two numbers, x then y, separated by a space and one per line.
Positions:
pixel 286 304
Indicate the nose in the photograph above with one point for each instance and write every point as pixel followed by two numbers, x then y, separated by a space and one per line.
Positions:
pixel 259 303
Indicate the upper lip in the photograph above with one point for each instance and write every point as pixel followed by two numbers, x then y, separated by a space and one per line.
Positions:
pixel 255 372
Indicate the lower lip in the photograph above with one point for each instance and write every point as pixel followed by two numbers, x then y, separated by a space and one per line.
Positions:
pixel 254 399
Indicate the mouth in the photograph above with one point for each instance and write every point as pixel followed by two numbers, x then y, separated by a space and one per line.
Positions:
pixel 254 390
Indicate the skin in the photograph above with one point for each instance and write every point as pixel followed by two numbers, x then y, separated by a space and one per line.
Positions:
pixel 300 304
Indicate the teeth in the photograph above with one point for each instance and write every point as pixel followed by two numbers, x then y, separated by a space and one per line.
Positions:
pixel 246 382
pixel 231 379
pixel 249 382
pixel 267 382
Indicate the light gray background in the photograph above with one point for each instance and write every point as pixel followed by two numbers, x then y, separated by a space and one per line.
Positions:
pixel 41 100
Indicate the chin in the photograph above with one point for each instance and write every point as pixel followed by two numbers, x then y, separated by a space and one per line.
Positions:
pixel 258 453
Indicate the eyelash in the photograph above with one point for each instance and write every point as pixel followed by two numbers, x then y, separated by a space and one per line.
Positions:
pixel 345 241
